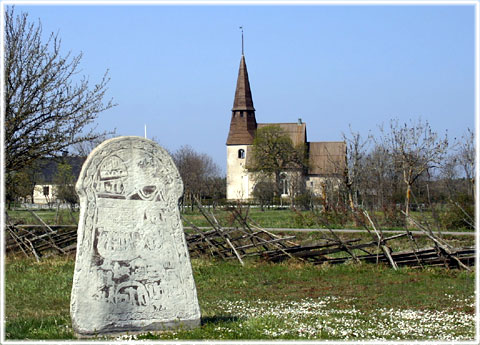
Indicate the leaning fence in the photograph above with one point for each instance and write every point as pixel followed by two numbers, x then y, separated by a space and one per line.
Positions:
pixel 243 238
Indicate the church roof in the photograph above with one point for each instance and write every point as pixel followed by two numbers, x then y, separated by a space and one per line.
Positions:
pixel 296 131
pixel 243 95
pixel 243 123
pixel 326 157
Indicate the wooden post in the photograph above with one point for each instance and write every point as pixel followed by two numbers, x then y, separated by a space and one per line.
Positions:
pixel 218 229
pixel 198 231
pixel 386 250
pixel 49 229
pixel 445 247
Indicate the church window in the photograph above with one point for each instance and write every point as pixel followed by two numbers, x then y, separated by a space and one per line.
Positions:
pixel 241 114
pixel 241 153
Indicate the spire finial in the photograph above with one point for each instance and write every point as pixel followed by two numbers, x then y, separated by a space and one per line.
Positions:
pixel 241 28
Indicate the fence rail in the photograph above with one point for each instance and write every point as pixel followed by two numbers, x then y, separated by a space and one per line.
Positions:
pixel 244 238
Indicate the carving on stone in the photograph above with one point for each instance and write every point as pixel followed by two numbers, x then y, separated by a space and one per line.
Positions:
pixel 132 270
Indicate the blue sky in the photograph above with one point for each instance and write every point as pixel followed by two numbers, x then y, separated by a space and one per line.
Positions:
pixel 174 68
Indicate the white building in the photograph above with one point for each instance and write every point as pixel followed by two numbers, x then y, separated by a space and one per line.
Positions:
pixel 326 160
pixel 44 194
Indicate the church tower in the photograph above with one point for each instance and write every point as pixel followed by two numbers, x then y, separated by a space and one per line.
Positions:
pixel 243 126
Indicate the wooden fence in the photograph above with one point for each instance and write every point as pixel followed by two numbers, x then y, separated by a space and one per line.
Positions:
pixel 244 238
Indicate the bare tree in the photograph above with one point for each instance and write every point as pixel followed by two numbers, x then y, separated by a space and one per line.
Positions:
pixel 83 149
pixel 197 170
pixel 356 152
pixel 381 178
pixel 466 158
pixel 416 149
pixel 449 176
pixel 46 111
pixel 296 184
pixel 216 188
pixel 65 185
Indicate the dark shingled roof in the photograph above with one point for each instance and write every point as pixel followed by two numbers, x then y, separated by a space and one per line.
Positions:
pixel 296 131
pixel 243 95
pixel 326 158
pixel 243 124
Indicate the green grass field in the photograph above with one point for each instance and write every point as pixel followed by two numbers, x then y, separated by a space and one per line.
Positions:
pixel 270 301
pixel 270 218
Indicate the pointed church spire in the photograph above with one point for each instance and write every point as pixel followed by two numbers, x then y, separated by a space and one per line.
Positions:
pixel 243 95
pixel 243 123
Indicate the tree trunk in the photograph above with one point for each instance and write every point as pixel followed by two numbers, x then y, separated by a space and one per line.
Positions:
pixel 324 196
pixel 352 205
pixel 407 178
pixel 277 184
pixel 407 203
pixel 350 198
pixel 472 181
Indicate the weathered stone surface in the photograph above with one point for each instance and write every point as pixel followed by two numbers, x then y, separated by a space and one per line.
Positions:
pixel 132 270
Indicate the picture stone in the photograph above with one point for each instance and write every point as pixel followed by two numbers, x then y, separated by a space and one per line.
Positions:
pixel 132 270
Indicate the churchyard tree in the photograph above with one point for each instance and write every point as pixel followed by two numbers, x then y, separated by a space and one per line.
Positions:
pixel 458 169
pixel 216 187
pixel 466 158
pixel 458 184
pixel 354 167
pixel 415 149
pixel 381 179
pixel 48 107
pixel 20 186
pixel 198 171
pixel 273 153
pixel 65 185
pixel 263 192
pixel 83 148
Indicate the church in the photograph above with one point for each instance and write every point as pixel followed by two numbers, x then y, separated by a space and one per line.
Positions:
pixel 326 160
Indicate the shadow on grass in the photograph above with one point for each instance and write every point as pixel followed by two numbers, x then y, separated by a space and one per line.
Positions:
pixel 219 319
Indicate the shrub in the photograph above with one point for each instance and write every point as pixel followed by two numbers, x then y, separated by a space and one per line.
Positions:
pixel 392 216
pixel 335 216
pixel 305 201
pixel 263 193
pixel 305 220
pixel 459 214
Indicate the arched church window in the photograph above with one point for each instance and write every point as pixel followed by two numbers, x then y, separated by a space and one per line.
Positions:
pixel 241 153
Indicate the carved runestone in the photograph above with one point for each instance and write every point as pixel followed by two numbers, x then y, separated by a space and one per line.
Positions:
pixel 132 270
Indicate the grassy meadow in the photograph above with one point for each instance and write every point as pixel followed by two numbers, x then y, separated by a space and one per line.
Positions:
pixel 270 301
pixel 269 218
pixel 261 300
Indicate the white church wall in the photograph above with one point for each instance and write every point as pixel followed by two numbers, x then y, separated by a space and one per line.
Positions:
pixel 317 183
pixel 239 181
